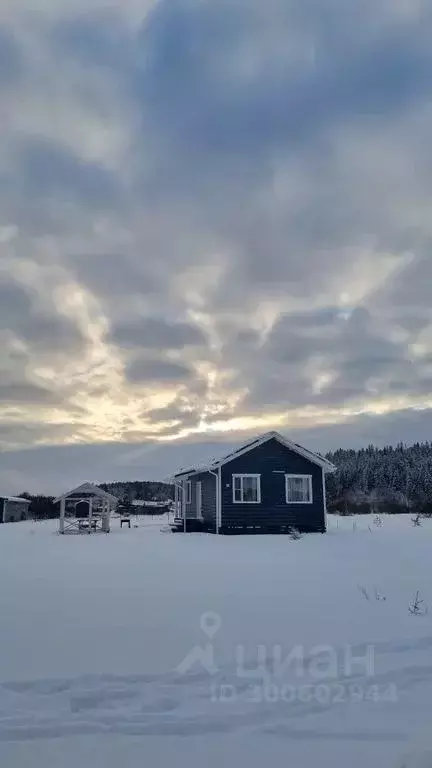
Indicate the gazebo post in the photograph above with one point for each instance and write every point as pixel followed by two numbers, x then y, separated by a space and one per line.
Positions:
pixel 106 511
pixel 62 515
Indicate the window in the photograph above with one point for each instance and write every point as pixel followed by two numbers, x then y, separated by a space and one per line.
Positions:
pixel 188 492
pixel 247 489
pixel 298 489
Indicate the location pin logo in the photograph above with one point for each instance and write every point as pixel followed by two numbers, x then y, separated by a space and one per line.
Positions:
pixel 210 624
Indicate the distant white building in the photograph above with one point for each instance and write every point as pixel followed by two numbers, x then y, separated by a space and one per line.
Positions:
pixel 13 509
pixel 155 504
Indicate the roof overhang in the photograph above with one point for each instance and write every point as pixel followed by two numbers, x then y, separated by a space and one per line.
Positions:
pixel 183 474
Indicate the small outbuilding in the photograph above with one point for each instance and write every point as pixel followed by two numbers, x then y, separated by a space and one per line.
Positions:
pixel 13 509
pixel 87 509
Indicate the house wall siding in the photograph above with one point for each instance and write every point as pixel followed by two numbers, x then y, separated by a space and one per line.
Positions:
pixel 272 461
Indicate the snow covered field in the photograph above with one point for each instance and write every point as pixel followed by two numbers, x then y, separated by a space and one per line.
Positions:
pixel 150 648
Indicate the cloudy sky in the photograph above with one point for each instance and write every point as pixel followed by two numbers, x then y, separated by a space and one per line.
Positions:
pixel 215 220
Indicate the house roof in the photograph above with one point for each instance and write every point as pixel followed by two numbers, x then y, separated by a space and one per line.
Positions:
pixel 316 458
pixel 89 489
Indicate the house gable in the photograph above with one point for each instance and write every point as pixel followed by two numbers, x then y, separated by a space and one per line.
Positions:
pixel 272 461
pixel 252 445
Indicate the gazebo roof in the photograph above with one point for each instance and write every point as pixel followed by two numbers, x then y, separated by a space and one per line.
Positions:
pixel 88 490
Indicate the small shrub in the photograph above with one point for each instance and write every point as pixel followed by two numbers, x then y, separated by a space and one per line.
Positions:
pixel 366 594
pixel 295 534
pixel 378 596
pixel 417 607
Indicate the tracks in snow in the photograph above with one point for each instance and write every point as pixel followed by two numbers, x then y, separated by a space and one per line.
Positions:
pixel 182 705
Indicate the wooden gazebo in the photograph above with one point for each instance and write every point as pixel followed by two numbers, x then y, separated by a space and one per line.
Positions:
pixel 86 509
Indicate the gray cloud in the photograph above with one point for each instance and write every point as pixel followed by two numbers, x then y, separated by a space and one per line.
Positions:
pixel 24 314
pixel 351 74
pixel 11 64
pixel 156 333
pixel 15 432
pixel 179 411
pixel 98 38
pixel 112 275
pixel 25 392
pixel 48 169
pixel 275 80
pixel 145 371
pixel 358 356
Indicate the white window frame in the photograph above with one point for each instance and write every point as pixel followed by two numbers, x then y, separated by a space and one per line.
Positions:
pixel 242 476
pixel 298 477
pixel 188 491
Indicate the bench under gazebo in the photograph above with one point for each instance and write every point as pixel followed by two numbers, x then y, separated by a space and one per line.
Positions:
pixel 86 509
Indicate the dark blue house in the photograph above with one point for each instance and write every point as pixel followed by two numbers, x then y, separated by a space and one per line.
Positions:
pixel 268 484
